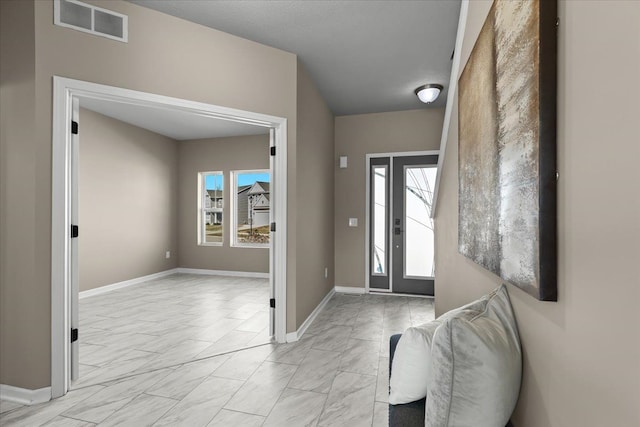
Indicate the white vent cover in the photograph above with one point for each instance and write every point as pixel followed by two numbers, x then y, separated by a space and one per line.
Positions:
pixel 90 19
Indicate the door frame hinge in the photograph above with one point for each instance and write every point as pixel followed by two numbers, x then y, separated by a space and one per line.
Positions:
pixel 273 226
pixel 74 334
pixel 75 230
pixel 273 150
pixel 74 127
pixel 272 303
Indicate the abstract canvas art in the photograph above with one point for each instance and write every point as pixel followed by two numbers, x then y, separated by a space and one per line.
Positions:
pixel 507 147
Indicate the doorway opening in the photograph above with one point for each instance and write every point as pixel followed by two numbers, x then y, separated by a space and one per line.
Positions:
pixel 67 93
pixel 400 235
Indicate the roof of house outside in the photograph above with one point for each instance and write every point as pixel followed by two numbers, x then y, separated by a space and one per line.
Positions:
pixel 259 187
pixel 243 188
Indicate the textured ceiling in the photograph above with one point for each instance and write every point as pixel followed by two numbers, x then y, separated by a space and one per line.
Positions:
pixel 364 56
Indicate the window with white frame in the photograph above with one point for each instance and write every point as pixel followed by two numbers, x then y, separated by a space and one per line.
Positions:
pixel 250 223
pixel 210 203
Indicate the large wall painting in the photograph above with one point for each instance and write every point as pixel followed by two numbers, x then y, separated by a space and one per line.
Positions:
pixel 507 147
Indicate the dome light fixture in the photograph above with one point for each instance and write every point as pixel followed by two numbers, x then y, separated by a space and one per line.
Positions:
pixel 428 93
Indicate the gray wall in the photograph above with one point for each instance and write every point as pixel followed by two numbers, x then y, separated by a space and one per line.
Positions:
pixel 582 353
pixel 217 154
pixel 19 178
pixel 216 68
pixel 127 197
pixel 359 135
pixel 314 197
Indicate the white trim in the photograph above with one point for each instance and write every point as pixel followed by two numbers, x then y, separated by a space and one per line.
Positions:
pixel 453 86
pixel 74 269
pixel 64 90
pixel 131 282
pixel 250 274
pixel 278 239
pixel 292 336
pixel 350 290
pixel 391 213
pixel 272 260
pixel 305 325
pixel 295 336
pixel 367 219
pixel 402 154
pixel 24 396
pixel 367 216
pixel 379 291
pixel 125 283
pixel 60 243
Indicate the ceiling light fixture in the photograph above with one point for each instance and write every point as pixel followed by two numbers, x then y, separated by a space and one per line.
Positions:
pixel 428 93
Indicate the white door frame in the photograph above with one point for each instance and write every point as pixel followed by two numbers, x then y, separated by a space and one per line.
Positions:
pixel 64 90
pixel 367 169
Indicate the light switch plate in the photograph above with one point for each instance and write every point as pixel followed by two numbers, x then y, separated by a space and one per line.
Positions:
pixel 343 162
pixel 353 222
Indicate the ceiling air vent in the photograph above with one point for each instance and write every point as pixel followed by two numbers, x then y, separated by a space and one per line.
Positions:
pixel 90 19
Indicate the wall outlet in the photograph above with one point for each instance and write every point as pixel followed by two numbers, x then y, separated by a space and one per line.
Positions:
pixel 167 254
pixel 326 273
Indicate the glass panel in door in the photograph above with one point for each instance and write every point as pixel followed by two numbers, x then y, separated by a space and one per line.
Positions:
pixel 379 209
pixel 419 182
pixel 413 237
pixel 379 218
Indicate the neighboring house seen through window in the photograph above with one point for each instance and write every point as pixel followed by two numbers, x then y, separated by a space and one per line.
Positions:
pixel 211 191
pixel 251 207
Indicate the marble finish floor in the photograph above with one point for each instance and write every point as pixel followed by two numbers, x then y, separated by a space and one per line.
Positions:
pixel 336 375
pixel 169 321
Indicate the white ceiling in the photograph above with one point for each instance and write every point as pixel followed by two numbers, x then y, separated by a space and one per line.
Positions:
pixel 175 124
pixel 364 56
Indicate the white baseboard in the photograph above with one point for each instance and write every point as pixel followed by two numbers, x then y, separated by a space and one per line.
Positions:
pixel 250 274
pixel 138 280
pixel 295 336
pixel 24 396
pixel 292 337
pixel 125 284
pixel 350 290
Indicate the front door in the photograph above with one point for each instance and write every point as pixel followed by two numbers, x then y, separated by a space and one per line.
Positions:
pixel 401 235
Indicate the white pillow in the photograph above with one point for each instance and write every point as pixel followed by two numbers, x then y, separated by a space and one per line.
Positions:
pixel 476 368
pixel 410 366
pixel 411 360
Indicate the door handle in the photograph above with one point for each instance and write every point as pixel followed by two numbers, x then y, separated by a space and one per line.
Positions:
pixel 397 231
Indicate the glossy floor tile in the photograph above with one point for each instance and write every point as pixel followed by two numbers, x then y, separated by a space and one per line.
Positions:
pixel 169 321
pixel 296 408
pixel 335 375
pixel 350 401
pixel 200 406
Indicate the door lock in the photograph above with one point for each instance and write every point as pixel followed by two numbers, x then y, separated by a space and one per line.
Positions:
pixel 397 231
